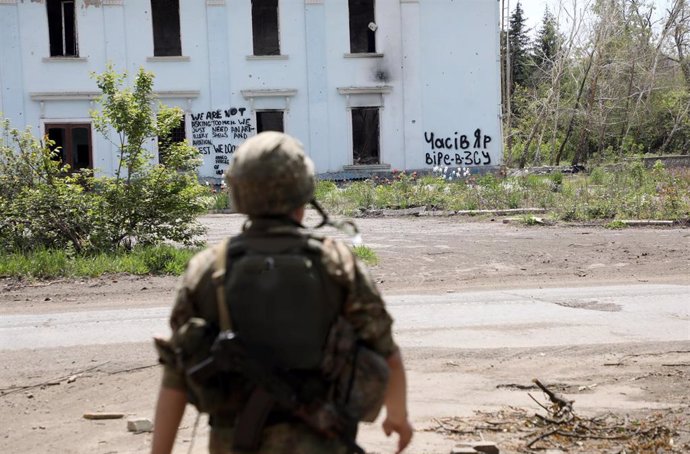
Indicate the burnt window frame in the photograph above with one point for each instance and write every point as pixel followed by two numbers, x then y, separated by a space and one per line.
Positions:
pixel 178 134
pixel 360 14
pixel 58 31
pixel 260 45
pixel 67 152
pixel 258 122
pixel 160 28
pixel 365 160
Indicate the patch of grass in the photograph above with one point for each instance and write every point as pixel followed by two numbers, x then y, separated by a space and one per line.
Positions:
pixel 616 225
pixel 219 201
pixel 628 191
pixel 529 219
pixel 366 254
pixel 48 263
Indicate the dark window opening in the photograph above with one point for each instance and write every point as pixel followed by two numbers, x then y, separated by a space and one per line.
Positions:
pixel 265 27
pixel 62 28
pixel 365 136
pixel 269 120
pixel 73 143
pixel 362 38
pixel 165 16
pixel 177 135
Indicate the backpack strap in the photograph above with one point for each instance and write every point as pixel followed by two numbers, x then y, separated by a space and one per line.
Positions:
pixel 220 269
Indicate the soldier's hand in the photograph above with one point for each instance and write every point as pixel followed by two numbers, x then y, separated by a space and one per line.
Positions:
pixel 402 427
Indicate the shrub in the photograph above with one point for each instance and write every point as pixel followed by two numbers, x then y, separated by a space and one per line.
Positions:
pixel 44 204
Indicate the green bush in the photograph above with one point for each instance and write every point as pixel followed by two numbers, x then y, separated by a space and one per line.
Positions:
pixel 46 205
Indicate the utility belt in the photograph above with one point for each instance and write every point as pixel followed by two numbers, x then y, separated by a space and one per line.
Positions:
pixel 228 420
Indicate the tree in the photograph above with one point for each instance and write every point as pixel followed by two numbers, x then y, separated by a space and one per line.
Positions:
pixel 45 204
pixel 42 203
pixel 519 43
pixel 547 43
pixel 145 202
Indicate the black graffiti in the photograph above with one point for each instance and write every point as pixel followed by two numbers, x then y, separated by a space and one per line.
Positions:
pixel 466 158
pixel 224 148
pixel 457 141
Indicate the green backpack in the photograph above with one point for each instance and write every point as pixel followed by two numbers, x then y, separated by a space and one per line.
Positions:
pixel 276 297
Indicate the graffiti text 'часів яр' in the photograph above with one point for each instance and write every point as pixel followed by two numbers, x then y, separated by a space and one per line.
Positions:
pixel 472 149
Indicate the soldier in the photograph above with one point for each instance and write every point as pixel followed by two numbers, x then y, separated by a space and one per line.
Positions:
pixel 279 292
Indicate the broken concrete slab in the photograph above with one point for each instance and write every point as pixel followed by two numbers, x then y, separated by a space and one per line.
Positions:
pixel 140 425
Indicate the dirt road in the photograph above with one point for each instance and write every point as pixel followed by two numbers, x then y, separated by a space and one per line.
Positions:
pixel 422 256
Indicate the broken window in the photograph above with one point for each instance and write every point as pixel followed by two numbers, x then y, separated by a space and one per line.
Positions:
pixel 362 26
pixel 177 134
pixel 365 135
pixel 165 16
pixel 265 27
pixel 62 28
pixel 73 142
pixel 269 120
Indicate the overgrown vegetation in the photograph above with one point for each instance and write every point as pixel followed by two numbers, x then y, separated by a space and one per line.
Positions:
pixel 366 254
pixel 629 191
pixel 52 263
pixel 599 82
pixel 61 217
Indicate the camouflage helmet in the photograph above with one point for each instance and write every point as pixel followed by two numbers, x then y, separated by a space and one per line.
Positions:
pixel 270 175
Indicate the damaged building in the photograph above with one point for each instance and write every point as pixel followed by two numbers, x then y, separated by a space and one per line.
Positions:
pixel 366 85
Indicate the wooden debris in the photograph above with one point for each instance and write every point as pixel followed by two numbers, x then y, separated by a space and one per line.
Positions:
pixel 99 416
pixel 638 222
pixel 560 429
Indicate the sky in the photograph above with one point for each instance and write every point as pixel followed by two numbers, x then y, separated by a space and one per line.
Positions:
pixel 534 9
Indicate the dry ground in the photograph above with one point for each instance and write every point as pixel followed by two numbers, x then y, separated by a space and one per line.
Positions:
pixel 417 255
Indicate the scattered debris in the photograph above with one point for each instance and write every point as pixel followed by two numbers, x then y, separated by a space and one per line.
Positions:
pixel 140 425
pixel 562 430
pixel 587 387
pixel 7 391
pixel 634 222
pixel 99 416
pixel 133 369
pixel 485 447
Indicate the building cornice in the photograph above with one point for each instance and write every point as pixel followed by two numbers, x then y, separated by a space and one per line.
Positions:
pixel 266 93
pixel 381 89
pixel 92 95
pixel 64 95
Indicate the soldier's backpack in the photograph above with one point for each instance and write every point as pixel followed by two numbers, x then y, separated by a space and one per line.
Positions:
pixel 273 294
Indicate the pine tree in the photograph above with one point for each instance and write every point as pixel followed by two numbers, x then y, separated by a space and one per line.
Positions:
pixel 547 43
pixel 518 38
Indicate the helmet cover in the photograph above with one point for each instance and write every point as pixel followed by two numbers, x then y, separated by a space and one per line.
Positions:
pixel 270 175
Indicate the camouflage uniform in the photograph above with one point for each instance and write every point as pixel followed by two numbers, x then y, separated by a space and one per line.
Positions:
pixel 363 308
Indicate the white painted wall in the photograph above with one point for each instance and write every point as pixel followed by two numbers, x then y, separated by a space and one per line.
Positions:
pixel 439 66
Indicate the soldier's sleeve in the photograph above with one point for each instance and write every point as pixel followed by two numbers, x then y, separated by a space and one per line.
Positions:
pixel 364 306
pixel 184 308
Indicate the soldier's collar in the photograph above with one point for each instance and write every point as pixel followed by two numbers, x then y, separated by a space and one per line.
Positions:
pixel 271 222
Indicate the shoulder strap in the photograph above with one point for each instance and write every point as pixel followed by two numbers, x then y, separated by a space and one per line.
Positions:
pixel 219 272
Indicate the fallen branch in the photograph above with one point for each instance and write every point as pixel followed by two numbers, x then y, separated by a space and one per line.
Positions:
pixel 123 371
pixel 560 401
pixel 48 382
pixel 542 436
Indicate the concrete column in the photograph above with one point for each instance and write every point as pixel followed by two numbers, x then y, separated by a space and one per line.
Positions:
pixel 12 93
pixel 114 34
pixel 412 83
pixel 218 53
pixel 317 83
